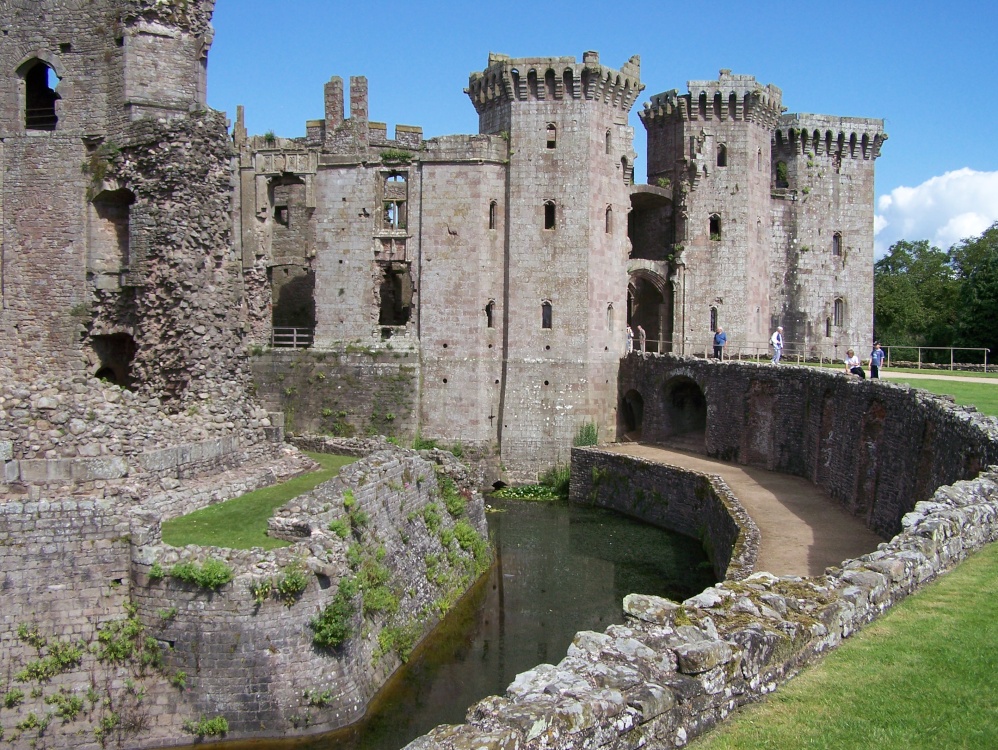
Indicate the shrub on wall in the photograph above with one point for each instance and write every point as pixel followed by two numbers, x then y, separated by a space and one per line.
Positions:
pixel 212 574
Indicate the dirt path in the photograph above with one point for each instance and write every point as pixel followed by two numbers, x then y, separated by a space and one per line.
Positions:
pixel 802 529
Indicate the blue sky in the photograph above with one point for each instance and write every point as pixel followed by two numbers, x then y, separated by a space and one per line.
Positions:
pixel 926 68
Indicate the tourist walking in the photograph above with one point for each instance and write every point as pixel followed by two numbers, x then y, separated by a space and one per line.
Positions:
pixel 777 341
pixel 876 360
pixel 720 340
pixel 853 366
pixel 641 339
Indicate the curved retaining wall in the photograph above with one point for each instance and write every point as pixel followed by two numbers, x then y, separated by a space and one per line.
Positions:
pixel 673 671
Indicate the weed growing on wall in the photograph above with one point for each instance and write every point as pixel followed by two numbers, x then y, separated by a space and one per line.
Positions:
pixel 205 727
pixel 331 626
pixel 212 574
pixel 587 434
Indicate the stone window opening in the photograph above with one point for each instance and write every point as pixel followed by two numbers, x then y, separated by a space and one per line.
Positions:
pixel 609 220
pixel 828 327
pixel 758 159
pixel 40 96
pixel 837 244
pixel 549 215
pixel 492 214
pixel 722 155
pixel 552 135
pixel 609 142
pixel 713 319
pixel 490 314
pixel 109 231
pixel 715 227
pixel 282 216
pixel 114 353
pixel 839 313
pixel 395 294
pixel 394 215
pixel 782 178
pixel 609 317
pixel 546 313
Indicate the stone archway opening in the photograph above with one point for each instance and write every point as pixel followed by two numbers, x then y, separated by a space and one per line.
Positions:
pixel 685 414
pixel 631 414
pixel 115 353
pixel 649 305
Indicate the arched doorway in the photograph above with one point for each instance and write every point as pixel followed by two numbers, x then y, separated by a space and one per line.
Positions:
pixel 649 305
pixel 685 414
pixel 631 413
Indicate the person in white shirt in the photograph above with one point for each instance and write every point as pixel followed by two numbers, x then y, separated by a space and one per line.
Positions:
pixel 777 342
pixel 852 365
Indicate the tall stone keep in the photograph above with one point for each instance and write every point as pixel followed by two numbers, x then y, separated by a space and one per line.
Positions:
pixel 563 302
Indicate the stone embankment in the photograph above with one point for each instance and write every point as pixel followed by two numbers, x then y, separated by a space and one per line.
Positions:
pixel 674 670
pixel 105 639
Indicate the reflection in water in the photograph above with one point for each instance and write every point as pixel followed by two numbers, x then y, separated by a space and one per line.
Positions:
pixel 559 569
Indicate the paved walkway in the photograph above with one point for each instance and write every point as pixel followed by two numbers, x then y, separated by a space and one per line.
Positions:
pixel 803 531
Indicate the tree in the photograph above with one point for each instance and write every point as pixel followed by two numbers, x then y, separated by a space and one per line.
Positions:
pixel 915 295
pixel 977 262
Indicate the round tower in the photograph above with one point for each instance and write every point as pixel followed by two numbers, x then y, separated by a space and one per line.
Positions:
pixel 563 305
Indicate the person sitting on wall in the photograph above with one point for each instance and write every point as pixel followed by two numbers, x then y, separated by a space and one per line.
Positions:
pixel 852 365
pixel 876 360
pixel 720 340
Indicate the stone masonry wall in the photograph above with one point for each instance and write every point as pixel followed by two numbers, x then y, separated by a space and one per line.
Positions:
pixel 696 505
pixel 673 671
pixel 100 644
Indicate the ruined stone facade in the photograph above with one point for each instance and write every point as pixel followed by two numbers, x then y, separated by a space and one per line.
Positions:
pixel 509 263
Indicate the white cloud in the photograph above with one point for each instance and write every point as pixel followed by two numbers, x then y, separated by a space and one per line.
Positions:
pixel 942 210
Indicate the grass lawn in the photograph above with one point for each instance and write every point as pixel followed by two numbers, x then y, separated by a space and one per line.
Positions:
pixel 982 395
pixel 241 523
pixel 923 676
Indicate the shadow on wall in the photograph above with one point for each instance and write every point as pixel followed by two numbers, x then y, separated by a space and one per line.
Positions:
pixel 685 407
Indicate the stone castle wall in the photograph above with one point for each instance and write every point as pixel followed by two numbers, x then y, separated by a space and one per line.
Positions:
pixel 672 671
pixel 156 652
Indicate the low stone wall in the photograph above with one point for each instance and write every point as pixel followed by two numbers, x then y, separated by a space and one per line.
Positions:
pixel 697 505
pixel 905 458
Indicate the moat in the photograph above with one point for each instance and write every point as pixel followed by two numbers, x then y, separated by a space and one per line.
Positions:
pixel 559 569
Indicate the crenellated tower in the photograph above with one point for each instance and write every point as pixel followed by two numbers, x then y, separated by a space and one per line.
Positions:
pixel 711 148
pixel 563 302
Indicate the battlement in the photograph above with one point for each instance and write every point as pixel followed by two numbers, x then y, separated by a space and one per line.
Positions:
pixel 506 80
pixel 192 16
pixel 855 137
pixel 731 97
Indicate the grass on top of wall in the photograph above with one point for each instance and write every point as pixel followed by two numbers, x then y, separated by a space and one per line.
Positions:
pixel 241 523
pixel 923 676
pixel 982 395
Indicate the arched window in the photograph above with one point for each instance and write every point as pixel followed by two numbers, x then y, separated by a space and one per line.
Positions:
pixel 609 220
pixel 549 215
pixel 492 214
pixel 837 243
pixel 609 142
pixel 609 317
pixel 758 159
pixel 545 314
pixel 828 327
pixel 722 155
pixel 490 314
pixel 552 132
pixel 839 316
pixel 713 318
pixel 715 227
pixel 40 96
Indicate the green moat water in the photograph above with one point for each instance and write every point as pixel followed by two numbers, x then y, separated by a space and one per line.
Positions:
pixel 559 569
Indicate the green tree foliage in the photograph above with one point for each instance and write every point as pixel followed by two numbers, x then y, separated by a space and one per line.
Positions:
pixel 924 296
pixel 915 295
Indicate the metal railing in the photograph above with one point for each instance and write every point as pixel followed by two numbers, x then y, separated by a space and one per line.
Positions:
pixel 797 351
pixel 292 338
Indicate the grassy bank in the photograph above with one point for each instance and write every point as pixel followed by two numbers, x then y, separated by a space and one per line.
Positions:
pixel 241 523
pixel 923 676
